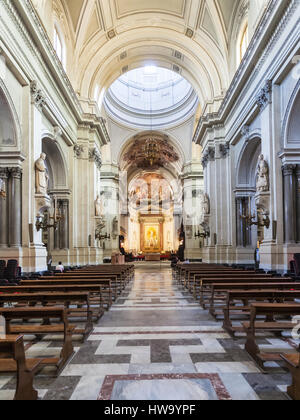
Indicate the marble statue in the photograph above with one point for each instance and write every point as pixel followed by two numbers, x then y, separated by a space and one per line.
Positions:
pixel 262 181
pixel 98 206
pixel 41 175
pixel 206 204
pixel 115 227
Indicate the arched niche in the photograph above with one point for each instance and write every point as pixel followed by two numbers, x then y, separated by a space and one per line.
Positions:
pixel 292 134
pixel 247 166
pixel 55 163
pixel 8 134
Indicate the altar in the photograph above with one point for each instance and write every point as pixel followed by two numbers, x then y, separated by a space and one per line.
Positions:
pixel 152 257
pixel 152 236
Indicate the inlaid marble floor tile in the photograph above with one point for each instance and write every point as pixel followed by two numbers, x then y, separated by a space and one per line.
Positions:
pixel 156 342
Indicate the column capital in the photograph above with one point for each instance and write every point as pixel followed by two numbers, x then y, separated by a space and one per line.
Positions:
pixel 4 173
pixel 288 169
pixel 15 172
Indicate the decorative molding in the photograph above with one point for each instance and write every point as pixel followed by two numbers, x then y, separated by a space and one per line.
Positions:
pixel 3 172
pixel 209 155
pixel 15 172
pixel 37 96
pixel 57 132
pixel 189 33
pixel 78 150
pixel 245 132
pixel 288 169
pixel 25 7
pixel 252 62
pixel 111 34
pixel 265 96
pixel 95 156
pixel 224 149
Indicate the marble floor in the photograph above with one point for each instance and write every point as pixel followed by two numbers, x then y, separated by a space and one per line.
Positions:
pixel 156 343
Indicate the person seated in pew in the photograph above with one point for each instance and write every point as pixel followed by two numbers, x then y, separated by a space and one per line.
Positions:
pixel 60 267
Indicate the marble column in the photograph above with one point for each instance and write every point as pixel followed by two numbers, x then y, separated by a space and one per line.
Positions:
pixel 289 182
pixel 64 225
pixel 298 201
pixel 56 238
pixel 15 207
pixel 3 212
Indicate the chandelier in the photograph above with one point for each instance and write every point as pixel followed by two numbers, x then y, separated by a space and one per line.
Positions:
pixel 152 152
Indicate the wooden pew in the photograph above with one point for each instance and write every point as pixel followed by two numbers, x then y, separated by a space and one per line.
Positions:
pixel 293 363
pixel 12 359
pixel 66 299
pixel 269 310
pixel 219 292
pixel 117 282
pixel 107 292
pixel 203 290
pixel 246 297
pixel 61 326
pixel 93 289
pixel 192 276
pixel 189 278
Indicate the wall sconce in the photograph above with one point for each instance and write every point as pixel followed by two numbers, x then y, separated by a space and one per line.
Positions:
pixel 250 220
pixel 2 188
pixel 102 237
pixel 42 222
pixel 205 234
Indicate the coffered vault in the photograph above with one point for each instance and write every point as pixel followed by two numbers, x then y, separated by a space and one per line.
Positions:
pixel 103 39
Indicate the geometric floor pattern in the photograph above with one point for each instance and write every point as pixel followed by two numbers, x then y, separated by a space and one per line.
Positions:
pixel 156 343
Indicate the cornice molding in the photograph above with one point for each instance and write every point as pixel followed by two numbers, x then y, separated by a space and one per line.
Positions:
pixel 36 39
pixel 252 62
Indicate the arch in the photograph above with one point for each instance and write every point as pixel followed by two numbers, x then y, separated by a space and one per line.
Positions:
pixel 199 67
pixel 291 123
pixel 55 162
pixel 10 129
pixel 247 164
pixel 130 139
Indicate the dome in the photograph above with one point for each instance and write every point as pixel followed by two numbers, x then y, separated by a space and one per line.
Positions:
pixel 151 96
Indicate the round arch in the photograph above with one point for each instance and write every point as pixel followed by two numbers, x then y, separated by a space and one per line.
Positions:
pixel 247 164
pixel 131 138
pixel 10 129
pixel 56 163
pixel 202 71
pixel 291 124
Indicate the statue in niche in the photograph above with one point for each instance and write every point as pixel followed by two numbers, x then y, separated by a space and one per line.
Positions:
pixel 262 180
pixel 41 175
pixel 98 206
pixel 206 204
pixel 115 227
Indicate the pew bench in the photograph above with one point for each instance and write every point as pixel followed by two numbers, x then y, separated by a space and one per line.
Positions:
pixel 219 292
pixel 107 293
pixel 13 360
pixel 245 299
pixel 268 310
pixel 38 329
pixel 293 363
pixel 117 284
pixel 93 289
pixel 54 299
pixel 203 285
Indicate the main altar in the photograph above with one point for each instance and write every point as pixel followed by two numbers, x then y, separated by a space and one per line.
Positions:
pixel 152 235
